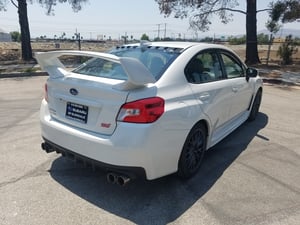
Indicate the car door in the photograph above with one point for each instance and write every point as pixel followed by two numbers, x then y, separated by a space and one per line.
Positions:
pixel 241 89
pixel 210 87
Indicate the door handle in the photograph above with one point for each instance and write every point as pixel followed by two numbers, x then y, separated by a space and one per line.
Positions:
pixel 235 89
pixel 204 96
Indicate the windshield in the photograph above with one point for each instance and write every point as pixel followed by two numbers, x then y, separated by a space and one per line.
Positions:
pixel 156 59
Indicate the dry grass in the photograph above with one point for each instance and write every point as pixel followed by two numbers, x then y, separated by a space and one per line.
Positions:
pixel 10 52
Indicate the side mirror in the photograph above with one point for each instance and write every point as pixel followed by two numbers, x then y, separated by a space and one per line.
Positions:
pixel 251 72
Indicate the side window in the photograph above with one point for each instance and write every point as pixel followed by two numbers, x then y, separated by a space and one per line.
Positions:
pixel 204 67
pixel 232 66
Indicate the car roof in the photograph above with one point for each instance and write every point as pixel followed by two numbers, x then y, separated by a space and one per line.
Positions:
pixel 179 44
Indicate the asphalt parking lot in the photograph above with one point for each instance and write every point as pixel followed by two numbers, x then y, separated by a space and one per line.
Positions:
pixel 251 177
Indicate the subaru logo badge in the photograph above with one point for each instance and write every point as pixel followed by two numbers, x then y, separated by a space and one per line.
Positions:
pixel 73 91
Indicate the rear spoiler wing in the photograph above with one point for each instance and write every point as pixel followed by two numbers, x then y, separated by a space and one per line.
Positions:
pixel 138 75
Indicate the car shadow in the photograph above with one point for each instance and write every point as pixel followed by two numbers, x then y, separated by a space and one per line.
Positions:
pixel 163 200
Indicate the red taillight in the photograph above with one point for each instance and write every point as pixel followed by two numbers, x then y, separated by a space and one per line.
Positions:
pixel 146 110
pixel 46 92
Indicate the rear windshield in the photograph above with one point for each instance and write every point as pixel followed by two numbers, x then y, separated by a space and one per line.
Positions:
pixel 156 59
pixel 101 68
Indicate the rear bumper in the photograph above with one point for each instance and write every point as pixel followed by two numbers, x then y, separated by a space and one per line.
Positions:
pixel 147 148
pixel 132 172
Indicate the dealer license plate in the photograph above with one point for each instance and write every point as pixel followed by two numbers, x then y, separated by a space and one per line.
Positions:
pixel 77 112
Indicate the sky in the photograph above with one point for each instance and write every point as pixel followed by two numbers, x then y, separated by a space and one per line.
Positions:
pixel 100 19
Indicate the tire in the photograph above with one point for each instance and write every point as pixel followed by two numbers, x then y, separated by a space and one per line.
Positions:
pixel 255 106
pixel 192 152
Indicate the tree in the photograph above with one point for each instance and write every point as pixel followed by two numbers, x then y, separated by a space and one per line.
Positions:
pixel 251 33
pixel 273 27
pixel 285 11
pixel 282 11
pixel 145 37
pixel 207 39
pixel 24 27
pixel 2 5
pixel 21 5
pixel 15 36
pixel 200 12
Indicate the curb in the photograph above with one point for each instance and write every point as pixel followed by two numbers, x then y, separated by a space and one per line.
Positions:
pixel 17 75
pixel 279 81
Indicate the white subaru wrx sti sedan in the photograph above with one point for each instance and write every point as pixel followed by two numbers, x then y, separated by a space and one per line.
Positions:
pixel 146 110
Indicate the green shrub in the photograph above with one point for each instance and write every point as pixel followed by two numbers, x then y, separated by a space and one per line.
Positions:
pixel 30 70
pixel 237 40
pixel 15 36
pixel 286 50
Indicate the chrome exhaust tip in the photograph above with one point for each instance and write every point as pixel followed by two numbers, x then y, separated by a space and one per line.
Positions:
pixel 48 148
pixel 122 180
pixel 119 179
pixel 111 178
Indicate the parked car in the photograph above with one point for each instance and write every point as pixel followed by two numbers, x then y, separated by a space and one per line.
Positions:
pixel 148 109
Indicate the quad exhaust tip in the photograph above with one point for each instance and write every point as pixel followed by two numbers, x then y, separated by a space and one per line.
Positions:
pixel 119 179
pixel 114 178
pixel 48 148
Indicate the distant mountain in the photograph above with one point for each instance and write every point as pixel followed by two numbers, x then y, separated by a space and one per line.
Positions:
pixel 282 32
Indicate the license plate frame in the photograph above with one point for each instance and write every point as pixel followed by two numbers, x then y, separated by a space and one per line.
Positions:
pixel 77 112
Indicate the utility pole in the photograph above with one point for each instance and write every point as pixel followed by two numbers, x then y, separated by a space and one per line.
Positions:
pixel 158 30
pixel 78 38
pixel 125 37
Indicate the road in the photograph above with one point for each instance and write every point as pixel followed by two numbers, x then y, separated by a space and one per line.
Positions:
pixel 251 177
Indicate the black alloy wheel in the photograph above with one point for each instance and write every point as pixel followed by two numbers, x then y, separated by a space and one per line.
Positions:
pixel 192 152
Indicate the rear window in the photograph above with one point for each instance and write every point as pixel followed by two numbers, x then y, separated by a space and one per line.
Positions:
pixel 102 68
pixel 156 59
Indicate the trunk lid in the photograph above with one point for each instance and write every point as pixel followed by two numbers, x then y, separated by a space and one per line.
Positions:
pixel 94 107
pixel 90 102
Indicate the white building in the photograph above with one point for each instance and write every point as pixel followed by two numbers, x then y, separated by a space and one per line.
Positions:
pixel 4 37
